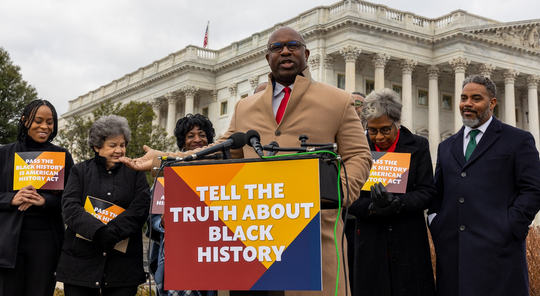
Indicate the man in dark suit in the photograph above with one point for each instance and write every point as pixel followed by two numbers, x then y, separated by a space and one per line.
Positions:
pixel 487 179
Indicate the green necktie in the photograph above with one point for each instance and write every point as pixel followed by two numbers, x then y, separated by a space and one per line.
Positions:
pixel 472 144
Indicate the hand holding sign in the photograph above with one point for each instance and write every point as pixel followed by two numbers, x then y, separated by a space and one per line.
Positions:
pixel 26 197
pixel 383 202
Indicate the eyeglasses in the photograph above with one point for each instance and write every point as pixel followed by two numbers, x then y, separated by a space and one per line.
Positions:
pixel 383 130
pixel 358 103
pixel 291 45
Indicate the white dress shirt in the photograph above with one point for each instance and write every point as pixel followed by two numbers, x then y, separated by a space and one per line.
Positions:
pixel 279 94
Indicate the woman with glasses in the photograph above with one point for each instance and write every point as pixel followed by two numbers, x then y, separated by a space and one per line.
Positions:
pixel 392 255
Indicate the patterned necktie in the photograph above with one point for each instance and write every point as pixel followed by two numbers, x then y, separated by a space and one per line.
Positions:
pixel 472 144
pixel 283 104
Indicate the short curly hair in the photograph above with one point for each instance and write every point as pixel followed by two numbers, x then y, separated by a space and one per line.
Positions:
pixel 381 103
pixel 187 123
pixel 490 86
pixel 108 126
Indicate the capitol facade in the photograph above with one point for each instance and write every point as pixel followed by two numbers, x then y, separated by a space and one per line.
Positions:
pixel 357 46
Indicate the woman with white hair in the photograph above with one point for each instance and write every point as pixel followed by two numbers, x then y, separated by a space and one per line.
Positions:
pixel 89 263
pixel 392 255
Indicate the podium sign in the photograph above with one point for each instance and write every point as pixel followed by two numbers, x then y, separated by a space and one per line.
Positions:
pixel 243 226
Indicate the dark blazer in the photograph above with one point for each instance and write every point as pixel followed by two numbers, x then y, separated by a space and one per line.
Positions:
pixel 84 263
pixel 11 219
pixel 484 208
pixel 392 255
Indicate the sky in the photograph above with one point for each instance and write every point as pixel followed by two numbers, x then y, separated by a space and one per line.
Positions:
pixel 67 48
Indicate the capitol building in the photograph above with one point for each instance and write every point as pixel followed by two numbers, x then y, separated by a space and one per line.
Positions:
pixel 357 46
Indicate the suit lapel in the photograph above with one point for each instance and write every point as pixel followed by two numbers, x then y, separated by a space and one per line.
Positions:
pixel 301 85
pixel 268 97
pixel 457 147
pixel 491 135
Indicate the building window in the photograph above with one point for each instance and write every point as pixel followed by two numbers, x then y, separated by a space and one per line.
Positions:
pixel 341 81
pixel 205 111
pixel 422 98
pixel 223 109
pixel 447 102
pixel 398 89
pixel 370 86
pixel 243 96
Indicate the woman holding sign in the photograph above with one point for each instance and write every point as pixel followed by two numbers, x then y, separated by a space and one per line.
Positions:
pixel 391 243
pixel 105 206
pixel 34 172
pixel 191 132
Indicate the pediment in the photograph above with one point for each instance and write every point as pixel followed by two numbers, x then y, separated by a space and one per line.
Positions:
pixel 517 34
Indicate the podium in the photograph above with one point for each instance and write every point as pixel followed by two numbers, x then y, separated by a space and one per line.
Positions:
pixel 247 224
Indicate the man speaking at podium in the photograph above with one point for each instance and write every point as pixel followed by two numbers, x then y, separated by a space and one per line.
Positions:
pixel 294 104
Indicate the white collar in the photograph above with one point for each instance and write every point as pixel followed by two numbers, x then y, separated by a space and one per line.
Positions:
pixel 481 128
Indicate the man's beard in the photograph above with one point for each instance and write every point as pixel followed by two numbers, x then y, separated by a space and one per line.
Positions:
pixel 474 123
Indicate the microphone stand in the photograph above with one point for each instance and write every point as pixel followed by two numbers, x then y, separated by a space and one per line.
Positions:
pixel 206 157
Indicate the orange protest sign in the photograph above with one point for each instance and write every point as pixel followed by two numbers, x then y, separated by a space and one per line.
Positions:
pixel 391 169
pixel 43 170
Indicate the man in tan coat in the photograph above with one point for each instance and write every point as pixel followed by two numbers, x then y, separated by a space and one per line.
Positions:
pixel 321 111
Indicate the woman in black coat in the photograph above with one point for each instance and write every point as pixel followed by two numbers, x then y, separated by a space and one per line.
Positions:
pixel 392 255
pixel 31 223
pixel 93 267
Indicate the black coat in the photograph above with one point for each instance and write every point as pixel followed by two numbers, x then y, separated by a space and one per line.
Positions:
pixel 392 255
pixel 484 207
pixel 11 219
pixel 82 262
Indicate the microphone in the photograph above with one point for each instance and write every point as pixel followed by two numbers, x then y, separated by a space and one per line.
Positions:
pixel 235 141
pixel 253 139
pixel 271 151
pixel 170 158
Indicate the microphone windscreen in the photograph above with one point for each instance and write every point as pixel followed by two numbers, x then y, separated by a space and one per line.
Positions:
pixel 250 134
pixel 239 140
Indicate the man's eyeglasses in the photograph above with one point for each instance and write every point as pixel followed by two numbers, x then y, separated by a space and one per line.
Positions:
pixel 383 130
pixel 358 103
pixel 291 45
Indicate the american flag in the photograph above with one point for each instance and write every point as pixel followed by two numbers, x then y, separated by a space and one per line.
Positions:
pixel 205 43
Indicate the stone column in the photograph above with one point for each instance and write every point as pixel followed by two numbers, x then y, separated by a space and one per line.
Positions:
pixel 486 70
pixel 189 91
pixel 407 67
pixel 329 69
pixel 509 96
pixel 171 113
pixel 379 61
pixel 534 124
pixel 320 34
pixel 156 107
pixel 314 62
pixel 433 113
pixel 213 108
pixel 350 54
pixel 233 90
pixel 254 82
pixel 460 65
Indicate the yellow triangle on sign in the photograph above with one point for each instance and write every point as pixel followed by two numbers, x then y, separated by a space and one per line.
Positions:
pixel 89 207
